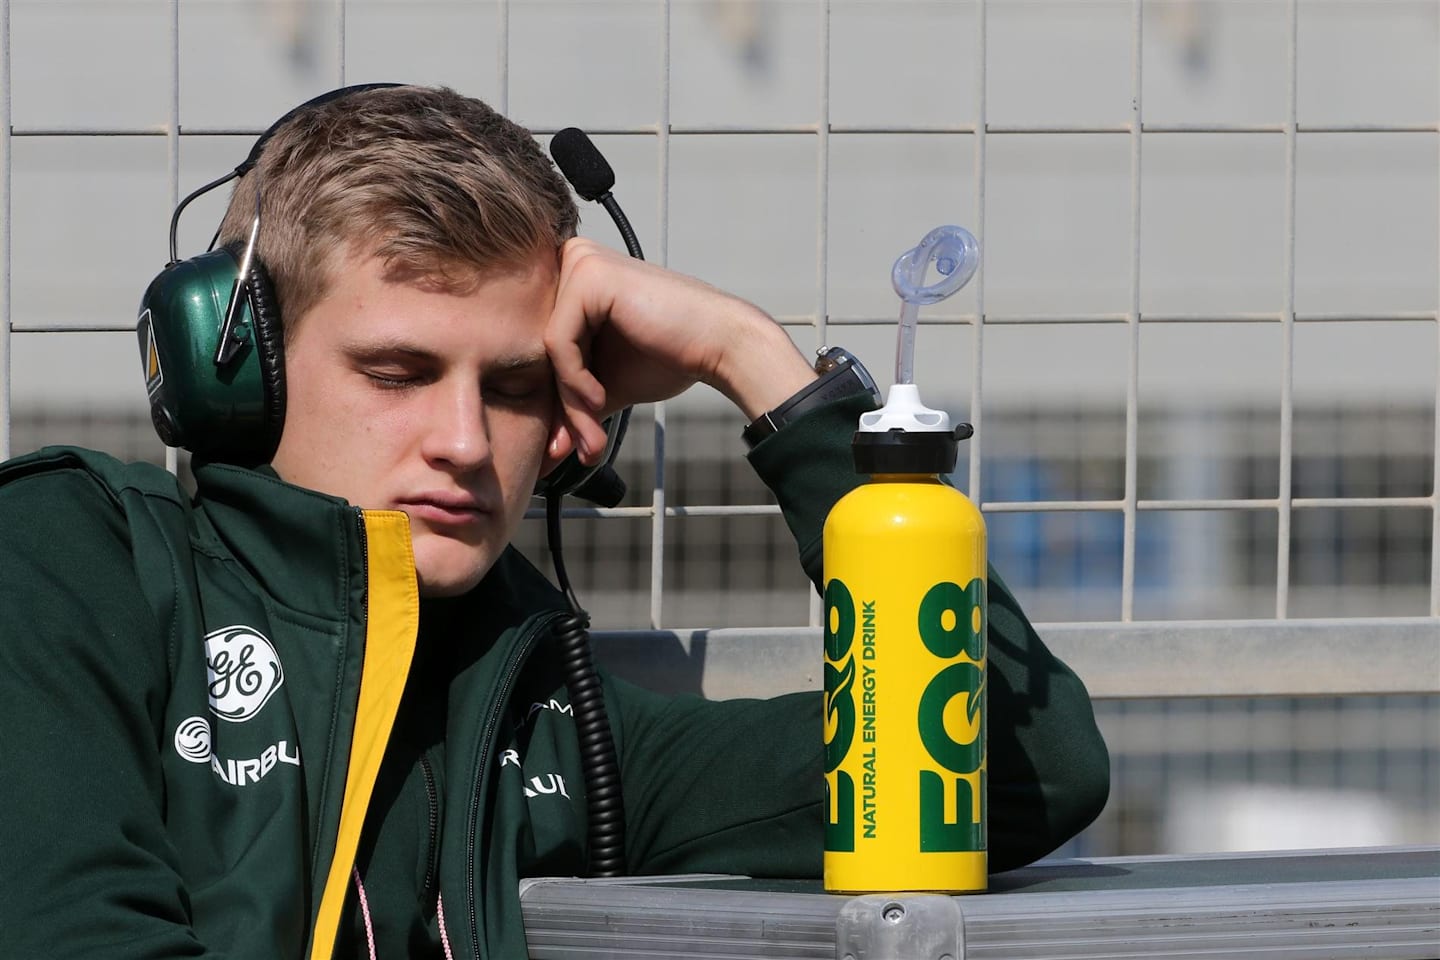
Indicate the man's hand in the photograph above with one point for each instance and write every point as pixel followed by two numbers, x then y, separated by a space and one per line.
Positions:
pixel 624 331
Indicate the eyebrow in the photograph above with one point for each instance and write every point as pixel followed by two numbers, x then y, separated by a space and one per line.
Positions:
pixel 522 362
pixel 396 349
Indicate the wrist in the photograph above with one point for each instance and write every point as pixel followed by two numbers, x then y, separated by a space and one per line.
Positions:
pixel 761 369
pixel 840 375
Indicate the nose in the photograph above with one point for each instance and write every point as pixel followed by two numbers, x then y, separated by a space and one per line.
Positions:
pixel 456 435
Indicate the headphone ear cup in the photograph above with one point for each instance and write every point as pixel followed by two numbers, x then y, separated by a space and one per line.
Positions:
pixel 270 347
pixel 600 484
pixel 162 408
pixel 231 412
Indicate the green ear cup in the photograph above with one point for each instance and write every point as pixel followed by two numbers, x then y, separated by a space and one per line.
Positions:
pixel 232 412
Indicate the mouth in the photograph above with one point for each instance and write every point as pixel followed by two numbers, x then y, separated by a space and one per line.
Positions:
pixel 445 510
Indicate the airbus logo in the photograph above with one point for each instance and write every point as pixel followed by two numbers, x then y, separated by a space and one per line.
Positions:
pixel 192 739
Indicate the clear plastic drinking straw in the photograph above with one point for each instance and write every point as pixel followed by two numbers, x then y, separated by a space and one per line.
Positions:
pixel 956 255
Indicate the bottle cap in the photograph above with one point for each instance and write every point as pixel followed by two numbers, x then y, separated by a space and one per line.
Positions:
pixel 905 436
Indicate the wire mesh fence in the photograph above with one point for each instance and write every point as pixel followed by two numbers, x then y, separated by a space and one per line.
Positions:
pixel 1201 354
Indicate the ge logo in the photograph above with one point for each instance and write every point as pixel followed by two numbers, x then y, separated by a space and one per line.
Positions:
pixel 244 672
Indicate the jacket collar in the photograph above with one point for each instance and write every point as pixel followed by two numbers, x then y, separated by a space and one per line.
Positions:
pixel 294 541
pixel 304 548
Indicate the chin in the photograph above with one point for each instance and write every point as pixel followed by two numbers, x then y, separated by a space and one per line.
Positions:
pixel 444 588
pixel 449 576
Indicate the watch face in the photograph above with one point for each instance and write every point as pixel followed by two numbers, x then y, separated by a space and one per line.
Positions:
pixel 840 357
pixel 828 359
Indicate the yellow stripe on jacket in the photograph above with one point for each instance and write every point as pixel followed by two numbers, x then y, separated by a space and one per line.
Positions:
pixel 392 623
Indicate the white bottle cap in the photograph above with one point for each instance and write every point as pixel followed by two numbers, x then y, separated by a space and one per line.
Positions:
pixel 904 411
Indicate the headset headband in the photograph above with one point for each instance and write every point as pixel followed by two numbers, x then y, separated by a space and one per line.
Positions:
pixel 254 156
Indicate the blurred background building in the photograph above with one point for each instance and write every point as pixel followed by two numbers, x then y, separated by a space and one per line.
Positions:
pixel 1201 355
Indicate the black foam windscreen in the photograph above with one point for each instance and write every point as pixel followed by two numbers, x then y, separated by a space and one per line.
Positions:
pixel 582 164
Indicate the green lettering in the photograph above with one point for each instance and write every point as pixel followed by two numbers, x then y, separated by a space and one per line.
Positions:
pixel 839 712
pixel 952 831
pixel 959 679
pixel 839 615
pixel 840 832
pixel 947 597
pixel 839 679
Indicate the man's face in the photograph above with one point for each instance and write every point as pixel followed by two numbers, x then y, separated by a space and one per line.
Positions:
pixel 404 397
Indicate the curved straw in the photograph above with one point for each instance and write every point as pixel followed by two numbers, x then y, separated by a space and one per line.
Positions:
pixel 956 255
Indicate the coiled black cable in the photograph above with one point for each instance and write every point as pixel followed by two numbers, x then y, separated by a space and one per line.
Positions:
pixel 591 176
pixel 598 761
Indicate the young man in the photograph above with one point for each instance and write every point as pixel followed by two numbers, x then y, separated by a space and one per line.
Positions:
pixel 312 713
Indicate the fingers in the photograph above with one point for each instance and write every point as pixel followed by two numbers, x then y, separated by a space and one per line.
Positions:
pixel 580 308
pixel 582 397
pixel 570 330
pixel 587 433
pixel 560 446
pixel 623 331
pixel 579 419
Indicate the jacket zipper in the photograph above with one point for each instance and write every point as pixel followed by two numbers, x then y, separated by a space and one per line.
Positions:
pixel 517 661
pixel 432 796
pixel 364 539
pixel 339 684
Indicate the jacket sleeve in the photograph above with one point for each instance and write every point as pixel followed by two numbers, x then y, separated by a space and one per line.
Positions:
pixel 1049 767
pixel 730 786
pixel 85 865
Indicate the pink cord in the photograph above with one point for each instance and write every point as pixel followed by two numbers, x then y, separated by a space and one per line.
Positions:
pixel 365 912
pixel 444 937
pixel 370 928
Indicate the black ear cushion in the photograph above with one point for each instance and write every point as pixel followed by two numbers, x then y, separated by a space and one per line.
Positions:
pixel 270 347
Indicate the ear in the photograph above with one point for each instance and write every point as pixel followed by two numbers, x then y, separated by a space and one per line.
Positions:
pixel 559 446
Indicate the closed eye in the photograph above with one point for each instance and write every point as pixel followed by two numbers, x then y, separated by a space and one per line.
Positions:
pixel 390 365
pixel 395 379
pixel 517 390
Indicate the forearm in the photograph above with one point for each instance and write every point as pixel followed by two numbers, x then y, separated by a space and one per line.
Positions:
pixel 624 332
pixel 1049 767
pixel 762 367
pixel 721 786
pixel 809 467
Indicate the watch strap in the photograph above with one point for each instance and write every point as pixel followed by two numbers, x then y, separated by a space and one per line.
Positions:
pixel 841 375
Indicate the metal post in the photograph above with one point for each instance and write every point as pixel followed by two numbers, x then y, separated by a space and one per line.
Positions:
pixel 822 241
pixel 977 332
pixel 1132 377
pixel 657 498
pixel 1287 332
pixel 5 87
pixel 172 156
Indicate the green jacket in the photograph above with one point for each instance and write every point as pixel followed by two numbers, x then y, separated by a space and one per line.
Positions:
pixel 224 719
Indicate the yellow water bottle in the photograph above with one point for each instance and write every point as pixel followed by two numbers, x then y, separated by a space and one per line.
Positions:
pixel 905 662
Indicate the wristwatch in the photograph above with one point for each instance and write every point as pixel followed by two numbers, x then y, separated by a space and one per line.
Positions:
pixel 841 375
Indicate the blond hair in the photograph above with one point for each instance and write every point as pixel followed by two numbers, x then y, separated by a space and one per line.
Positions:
pixel 438 185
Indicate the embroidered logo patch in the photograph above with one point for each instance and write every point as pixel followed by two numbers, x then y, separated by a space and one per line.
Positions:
pixel 244 672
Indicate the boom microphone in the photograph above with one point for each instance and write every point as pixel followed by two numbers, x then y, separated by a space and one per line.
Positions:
pixel 582 164
pixel 591 178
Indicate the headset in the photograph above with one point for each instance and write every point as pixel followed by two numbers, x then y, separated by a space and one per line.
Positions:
pixel 212 345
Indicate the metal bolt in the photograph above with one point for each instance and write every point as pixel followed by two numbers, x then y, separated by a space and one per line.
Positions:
pixel 893 912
